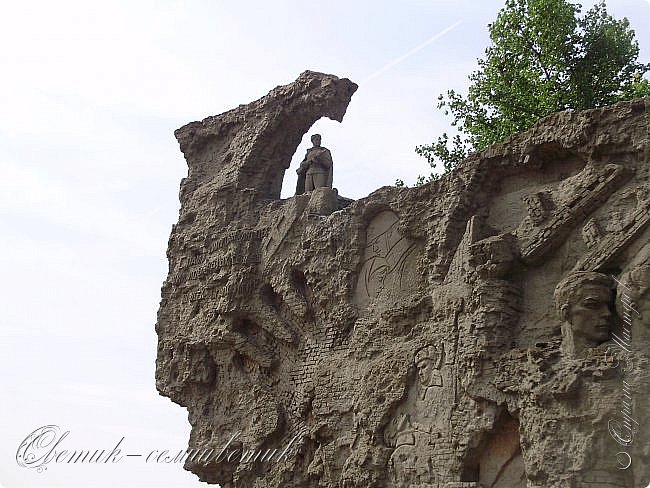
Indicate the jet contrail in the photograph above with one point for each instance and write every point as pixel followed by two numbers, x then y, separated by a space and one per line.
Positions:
pixel 413 51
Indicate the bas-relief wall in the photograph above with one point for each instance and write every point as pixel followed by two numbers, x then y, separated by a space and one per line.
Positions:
pixel 469 332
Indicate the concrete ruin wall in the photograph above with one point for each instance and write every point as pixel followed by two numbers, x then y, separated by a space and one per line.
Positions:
pixel 410 339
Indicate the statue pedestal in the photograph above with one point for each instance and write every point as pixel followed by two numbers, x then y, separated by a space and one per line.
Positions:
pixel 323 201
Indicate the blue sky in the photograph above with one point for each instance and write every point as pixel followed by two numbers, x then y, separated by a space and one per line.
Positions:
pixel 90 94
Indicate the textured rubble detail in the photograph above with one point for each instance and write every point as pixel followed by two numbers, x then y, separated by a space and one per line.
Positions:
pixel 411 338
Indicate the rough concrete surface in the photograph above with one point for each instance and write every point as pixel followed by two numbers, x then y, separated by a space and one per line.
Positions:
pixel 489 329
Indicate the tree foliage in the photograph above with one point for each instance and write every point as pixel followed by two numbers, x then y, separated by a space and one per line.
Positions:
pixel 544 57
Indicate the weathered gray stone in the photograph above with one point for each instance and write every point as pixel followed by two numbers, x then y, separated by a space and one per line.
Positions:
pixel 410 338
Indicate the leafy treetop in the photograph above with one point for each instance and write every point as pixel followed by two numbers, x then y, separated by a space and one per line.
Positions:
pixel 544 57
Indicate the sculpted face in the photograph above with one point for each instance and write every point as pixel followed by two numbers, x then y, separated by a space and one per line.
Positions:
pixel 426 369
pixel 429 372
pixel 590 316
pixel 315 140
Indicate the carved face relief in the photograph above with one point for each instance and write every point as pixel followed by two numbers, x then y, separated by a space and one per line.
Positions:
pixel 590 316
pixel 428 361
pixel 429 374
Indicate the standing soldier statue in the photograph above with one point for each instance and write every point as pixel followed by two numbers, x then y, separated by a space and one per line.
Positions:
pixel 316 169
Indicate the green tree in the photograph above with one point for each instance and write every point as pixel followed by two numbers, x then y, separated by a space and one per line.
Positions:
pixel 544 57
